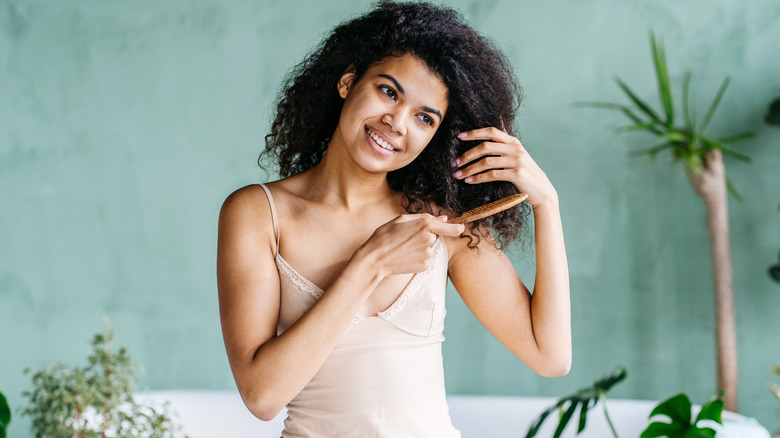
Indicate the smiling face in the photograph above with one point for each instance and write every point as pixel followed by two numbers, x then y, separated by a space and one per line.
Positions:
pixel 390 114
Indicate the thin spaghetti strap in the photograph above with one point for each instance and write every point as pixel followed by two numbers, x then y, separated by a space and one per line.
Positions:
pixel 273 215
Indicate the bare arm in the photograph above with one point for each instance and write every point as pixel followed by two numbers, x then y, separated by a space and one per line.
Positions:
pixel 537 329
pixel 271 370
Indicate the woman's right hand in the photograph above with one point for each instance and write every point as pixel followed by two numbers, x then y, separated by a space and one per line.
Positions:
pixel 405 244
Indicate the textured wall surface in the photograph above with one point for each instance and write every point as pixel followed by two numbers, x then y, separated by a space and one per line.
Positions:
pixel 124 124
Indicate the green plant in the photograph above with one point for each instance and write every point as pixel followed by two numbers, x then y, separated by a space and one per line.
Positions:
pixel 773 114
pixel 702 156
pixel 5 415
pixel 773 118
pixel 775 389
pixel 586 399
pixel 678 409
pixel 95 400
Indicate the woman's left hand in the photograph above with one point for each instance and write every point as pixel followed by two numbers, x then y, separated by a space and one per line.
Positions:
pixel 505 159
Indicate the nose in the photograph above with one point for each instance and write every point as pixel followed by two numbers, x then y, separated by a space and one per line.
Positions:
pixel 396 121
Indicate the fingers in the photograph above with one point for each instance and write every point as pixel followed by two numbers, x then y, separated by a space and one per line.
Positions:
pixel 492 175
pixel 489 133
pixel 436 225
pixel 487 164
pixel 500 143
pixel 440 227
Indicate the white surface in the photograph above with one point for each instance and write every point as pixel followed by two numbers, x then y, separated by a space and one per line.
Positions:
pixel 218 414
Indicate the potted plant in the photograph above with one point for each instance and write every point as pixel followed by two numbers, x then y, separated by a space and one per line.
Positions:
pixel 773 118
pixel 94 400
pixel 5 415
pixel 775 390
pixel 702 156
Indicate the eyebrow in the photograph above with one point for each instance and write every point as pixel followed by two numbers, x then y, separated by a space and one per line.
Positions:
pixel 401 90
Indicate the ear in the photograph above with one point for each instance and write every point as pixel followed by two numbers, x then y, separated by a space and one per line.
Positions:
pixel 345 81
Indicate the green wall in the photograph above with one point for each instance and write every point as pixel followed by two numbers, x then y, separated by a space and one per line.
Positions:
pixel 124 124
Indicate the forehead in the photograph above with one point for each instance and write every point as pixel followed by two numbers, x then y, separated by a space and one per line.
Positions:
pixel 414 75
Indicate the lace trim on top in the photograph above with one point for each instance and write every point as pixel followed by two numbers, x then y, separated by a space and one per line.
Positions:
pixel 299 280
pixel 412 289
pixel 409 291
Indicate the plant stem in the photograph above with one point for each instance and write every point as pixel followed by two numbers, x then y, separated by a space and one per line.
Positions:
pixel 606 414
pixel 710 184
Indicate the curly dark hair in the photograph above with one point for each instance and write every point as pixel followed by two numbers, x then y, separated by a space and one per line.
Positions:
pixel 482 91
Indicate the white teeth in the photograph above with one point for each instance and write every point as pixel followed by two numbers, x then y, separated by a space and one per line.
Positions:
pixel 379 140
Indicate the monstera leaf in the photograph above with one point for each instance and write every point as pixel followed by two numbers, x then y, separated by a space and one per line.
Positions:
pixel 678 409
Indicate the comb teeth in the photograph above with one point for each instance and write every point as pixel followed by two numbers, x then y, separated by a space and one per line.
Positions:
pixel 489 209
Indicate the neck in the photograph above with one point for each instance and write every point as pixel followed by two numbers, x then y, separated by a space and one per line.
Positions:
pixel 340 184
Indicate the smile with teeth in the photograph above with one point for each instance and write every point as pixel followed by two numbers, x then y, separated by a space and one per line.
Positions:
pixel 379 141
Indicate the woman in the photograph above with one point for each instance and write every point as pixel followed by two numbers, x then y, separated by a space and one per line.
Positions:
pixel 331 280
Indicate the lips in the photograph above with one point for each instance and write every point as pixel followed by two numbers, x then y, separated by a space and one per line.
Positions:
pixel 385 144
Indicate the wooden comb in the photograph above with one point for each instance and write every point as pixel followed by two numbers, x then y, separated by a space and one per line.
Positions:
pixel 489 209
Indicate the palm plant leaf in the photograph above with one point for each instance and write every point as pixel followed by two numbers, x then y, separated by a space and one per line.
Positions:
pixel 627 111
pixel 566 417
pixel 737 137
pixel 664 87
pixel 606 383
pixel 651 152
pixel 584 398
pixel 583 416
pixel 687 115
pixel 642 126
pixel 714 105
pixel 714 144
pixel 637 101
pixel 602 105
pixel 534 429
pixel 733 190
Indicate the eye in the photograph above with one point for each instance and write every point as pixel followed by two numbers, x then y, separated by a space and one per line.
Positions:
pixel 428 120
pixel 388 91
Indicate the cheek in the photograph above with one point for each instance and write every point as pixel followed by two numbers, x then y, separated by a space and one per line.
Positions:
pixel 418 144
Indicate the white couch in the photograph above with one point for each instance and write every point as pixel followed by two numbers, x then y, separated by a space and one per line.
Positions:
pixel 220 414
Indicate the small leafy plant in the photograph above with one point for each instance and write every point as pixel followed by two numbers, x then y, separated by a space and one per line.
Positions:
pixel 678 409
pixel 775 389
pixel 773 114
pixel 586 399
pixel 5 415
pixel 94 400
pixel 773 118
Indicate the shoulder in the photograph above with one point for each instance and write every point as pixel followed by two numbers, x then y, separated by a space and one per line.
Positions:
pixel 471 245
pixel 246 219
pixel 250 200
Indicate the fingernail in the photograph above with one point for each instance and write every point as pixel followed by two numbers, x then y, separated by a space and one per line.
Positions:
pixel 458 174
pixel 469 179
pixel 462 228
pixel 457 162
pixel 463 135
pixel 442 218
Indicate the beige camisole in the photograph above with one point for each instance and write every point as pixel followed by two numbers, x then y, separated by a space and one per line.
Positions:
pixel 384 377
